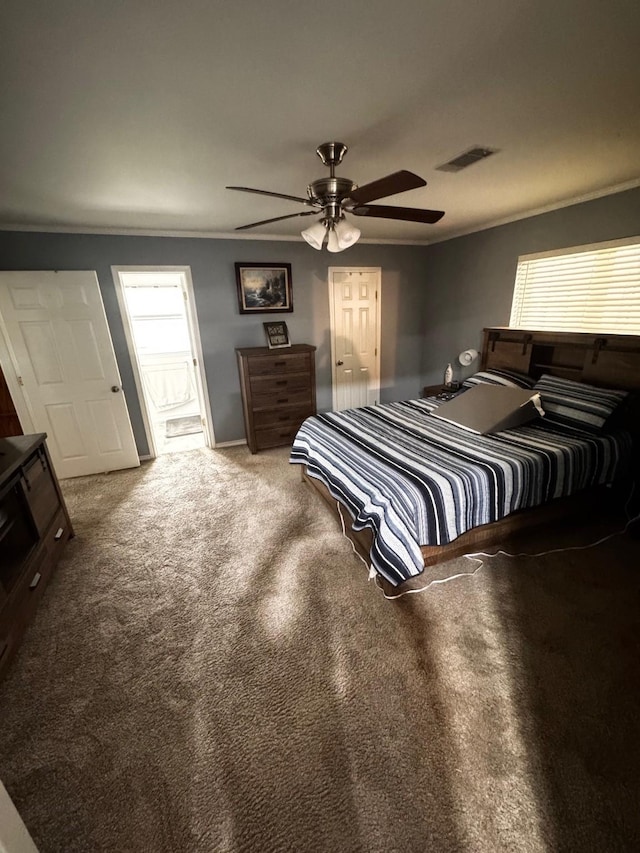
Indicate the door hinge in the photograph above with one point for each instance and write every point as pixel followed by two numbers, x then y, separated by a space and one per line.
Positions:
pixel 20 380
pixel 375 352
pixel 195 362
pixel 376 295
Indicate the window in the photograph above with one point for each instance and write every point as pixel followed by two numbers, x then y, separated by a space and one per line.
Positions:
pixel 158 318
pixel 592 288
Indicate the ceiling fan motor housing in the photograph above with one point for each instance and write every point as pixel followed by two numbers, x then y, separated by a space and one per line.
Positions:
pixel 329 193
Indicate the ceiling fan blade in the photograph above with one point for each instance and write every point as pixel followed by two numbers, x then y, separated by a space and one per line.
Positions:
pixel 274 195
pixel 398 182
pixel 408 214
pixel 277 219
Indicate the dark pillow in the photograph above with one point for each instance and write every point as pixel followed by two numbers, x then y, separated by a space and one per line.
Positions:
pixel 627 414
pixel 496 376
pixel 577 405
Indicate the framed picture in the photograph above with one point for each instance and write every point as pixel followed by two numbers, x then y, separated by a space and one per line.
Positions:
pixel 277 335
pixel 264 288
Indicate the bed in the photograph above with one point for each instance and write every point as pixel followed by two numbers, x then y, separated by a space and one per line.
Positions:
pixel 413 490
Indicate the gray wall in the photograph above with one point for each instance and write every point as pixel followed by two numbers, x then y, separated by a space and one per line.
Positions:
pixel 222 327
pixel 435 300
pixel 470 279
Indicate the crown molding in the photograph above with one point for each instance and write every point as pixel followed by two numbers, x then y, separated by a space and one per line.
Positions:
pixel 549 208
pixel 201 235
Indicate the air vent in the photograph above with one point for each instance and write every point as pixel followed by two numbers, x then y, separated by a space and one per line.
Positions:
pixel 473 155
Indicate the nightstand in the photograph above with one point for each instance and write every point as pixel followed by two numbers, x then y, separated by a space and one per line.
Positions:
pixel 432 390
pixel 442 392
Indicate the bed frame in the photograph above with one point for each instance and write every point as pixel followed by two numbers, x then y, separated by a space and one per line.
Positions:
pixel 609 361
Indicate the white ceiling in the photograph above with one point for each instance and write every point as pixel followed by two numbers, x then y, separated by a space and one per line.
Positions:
pixel 135 115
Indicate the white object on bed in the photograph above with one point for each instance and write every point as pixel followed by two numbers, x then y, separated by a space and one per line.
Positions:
pixel 491 408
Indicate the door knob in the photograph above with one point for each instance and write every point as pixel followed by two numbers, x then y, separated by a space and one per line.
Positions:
pixel 339 363
pixel 115 388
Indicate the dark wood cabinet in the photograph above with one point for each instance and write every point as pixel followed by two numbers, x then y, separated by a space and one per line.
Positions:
pixel 278 392
pixel 9 421
pixel 34 527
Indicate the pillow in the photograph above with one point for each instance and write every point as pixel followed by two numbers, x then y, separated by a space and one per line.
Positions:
pixel 575 404
pixel 627 415
pixel 495 376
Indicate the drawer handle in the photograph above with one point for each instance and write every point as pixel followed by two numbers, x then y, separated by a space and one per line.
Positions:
pixel 279 363
pixel 59 533
pixel 283 418
pixel 284 434
pixel 35 580
pixel 281 382
pixel 283 400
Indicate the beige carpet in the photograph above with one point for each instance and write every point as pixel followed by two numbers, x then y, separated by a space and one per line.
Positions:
pixel 211 671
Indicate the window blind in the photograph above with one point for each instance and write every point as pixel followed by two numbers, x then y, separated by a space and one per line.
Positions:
pixel 583 289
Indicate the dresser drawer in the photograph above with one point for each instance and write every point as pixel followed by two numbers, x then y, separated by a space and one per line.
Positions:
pixel 20 607
pixel 276 436
pixel 40 491
pixel 277 384
pixel 57 535
pixel 17 609
pixel 274 401
pixel 269 365
pixel 283 416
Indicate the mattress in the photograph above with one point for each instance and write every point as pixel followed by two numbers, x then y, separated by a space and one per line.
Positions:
pixel 414 480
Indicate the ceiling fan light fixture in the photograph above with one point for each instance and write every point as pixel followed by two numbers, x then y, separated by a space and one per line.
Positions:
pixel 346 234
pixel 315 234
pixel 333 244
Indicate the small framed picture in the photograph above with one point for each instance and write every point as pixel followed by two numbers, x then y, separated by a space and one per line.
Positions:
pixel 277 335
pixel 264 288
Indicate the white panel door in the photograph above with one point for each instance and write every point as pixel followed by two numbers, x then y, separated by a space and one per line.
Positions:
pixel 58 339
pixel 355 336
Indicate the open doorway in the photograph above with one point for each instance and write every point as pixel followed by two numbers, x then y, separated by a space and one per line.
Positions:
pixel 161 326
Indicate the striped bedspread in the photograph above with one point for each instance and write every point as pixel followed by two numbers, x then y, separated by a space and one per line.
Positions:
pixel 417 480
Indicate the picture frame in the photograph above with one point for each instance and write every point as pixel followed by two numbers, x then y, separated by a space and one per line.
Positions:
pixel 277 334
pixel 264 288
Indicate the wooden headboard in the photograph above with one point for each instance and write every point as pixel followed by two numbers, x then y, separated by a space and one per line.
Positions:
pixel 608 361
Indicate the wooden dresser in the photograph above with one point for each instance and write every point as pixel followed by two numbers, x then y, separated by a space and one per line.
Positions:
pixel 9 421
pixel 34 527
pixel 278 392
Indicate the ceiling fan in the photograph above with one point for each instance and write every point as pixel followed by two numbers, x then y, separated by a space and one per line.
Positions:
pixel 333 196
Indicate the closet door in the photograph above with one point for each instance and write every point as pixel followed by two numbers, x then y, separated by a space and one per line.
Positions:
pixel 354 302
pixel 59 345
